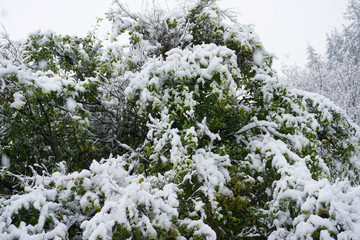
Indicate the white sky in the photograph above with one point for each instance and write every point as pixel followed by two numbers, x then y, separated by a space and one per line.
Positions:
pixel 284 26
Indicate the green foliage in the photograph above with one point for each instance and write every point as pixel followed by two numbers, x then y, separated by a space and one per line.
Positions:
pixel 43 129
pixel 28 215
pixel 72 56
pixel 54 105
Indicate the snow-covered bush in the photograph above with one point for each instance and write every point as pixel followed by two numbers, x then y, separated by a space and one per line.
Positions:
pixel 60 101
pixel 220 148
pixel 42 116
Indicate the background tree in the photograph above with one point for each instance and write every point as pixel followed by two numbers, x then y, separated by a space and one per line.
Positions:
pixel 335 76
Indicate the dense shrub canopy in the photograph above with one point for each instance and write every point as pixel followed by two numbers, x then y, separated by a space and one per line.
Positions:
pixel 192 134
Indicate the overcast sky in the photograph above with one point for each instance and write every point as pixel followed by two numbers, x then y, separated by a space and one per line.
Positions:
pixel 284 26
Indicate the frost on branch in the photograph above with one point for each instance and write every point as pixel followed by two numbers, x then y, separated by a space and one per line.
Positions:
pixel 204 141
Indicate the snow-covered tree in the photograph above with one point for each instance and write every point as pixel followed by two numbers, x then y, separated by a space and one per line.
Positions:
pixel 59 101
pixel 38 111
pixel 334 48
pixel 220 149
pixel 352 31
pixel 345 44
pixel 337 75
